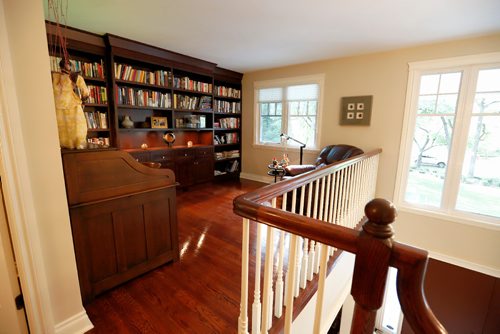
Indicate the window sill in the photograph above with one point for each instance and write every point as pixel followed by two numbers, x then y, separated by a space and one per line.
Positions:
pixel 279 147
pixel 485 222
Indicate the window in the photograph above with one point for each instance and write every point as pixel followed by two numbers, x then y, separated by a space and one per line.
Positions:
pixel 290 106
pixel 450 158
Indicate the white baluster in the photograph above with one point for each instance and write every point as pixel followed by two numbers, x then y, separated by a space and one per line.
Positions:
pixel 298 260
pixel 320 216
pixel 305 255
pixel 335 202
pixel 278 297
pixel 256 307
pixel 267 292
pixel 243 318
pixel 312 251
pixel 291 284
pixel 328 205
pixel 318 315
pixel 349 196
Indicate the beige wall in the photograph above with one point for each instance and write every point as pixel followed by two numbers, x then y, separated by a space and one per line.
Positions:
pixel 383 75
pixel 32 126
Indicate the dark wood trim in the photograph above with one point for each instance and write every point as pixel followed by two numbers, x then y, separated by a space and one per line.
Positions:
pixel 222 74
pixel 125 47
pixel 78 39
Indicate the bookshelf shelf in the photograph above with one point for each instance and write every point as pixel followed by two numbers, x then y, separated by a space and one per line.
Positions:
pixel 144 130
pixel 141 84
pixel 230 98
pixel 227 145
pixel 193 129
pixel 227 114
pixel 193 111
pixel 92 79
pixel 187 91
pixel 127 106
pixel 96 105
pixel 226 130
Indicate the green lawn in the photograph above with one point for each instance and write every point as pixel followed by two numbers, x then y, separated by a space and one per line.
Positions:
pixel 425 188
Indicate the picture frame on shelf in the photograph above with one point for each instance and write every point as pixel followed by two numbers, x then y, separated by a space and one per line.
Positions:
pixel 159 122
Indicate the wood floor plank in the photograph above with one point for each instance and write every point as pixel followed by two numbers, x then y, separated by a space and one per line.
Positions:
pixel 198 294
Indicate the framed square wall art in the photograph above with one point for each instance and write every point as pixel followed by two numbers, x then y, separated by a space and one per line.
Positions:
pixel 356 110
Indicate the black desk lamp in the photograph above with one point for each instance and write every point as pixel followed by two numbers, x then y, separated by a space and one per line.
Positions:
pixel 302 145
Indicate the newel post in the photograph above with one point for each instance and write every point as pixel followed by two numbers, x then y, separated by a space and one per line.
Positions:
pixel 372 263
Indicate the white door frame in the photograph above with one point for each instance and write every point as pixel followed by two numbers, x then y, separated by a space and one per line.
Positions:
pixel 18 197
pixel 12 319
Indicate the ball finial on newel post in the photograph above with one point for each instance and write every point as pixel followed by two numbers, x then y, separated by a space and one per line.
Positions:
pixel 381 213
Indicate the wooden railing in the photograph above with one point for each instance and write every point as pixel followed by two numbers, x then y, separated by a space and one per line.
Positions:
pixel 313 215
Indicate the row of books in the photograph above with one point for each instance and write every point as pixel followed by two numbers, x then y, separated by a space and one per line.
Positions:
pixel 227 92
pixel 96 120
pixel 97 94
pixel 227 154
pixel 188 84
pixel 226 138
pixel 187 102
pixel 87 69
pixel 227 107
pixel 97 142
pixel 129 73
pixel 228 123
pixel 142 97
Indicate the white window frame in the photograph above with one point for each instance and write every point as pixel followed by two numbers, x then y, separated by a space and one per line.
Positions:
pixel 318 79
pixel 466 64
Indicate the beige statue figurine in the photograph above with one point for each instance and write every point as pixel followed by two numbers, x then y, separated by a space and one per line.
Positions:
pixel 71 121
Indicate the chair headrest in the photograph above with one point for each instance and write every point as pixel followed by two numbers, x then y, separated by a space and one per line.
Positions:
pixel 339 152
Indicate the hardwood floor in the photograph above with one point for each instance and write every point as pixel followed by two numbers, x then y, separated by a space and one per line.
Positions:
pixel 198 294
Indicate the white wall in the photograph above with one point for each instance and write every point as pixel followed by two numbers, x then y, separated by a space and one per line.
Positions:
pixel 383 75
pixel 30 148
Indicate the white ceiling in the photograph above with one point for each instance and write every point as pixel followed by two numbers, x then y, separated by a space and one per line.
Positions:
pixel 255 34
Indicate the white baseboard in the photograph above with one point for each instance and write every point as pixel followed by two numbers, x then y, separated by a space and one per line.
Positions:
pixel 78 323
pixel 257 177
pixel 466 264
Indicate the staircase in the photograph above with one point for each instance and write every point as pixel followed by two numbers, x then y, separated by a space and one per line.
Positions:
pixel 306 233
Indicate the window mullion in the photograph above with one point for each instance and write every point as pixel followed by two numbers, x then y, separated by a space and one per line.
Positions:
pixel 459 140
pixel 284 110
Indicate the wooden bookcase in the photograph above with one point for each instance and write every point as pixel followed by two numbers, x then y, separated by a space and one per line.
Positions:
pixel 162 92
pixel 88 52
pixel 227 123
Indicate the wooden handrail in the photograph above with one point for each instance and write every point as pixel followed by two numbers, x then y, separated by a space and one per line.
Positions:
pixel 412 264
pixel 374 246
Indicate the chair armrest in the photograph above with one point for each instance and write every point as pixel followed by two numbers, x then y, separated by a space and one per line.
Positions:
pixel 294 170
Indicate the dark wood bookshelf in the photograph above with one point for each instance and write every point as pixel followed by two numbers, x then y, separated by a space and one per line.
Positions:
pixel 109 49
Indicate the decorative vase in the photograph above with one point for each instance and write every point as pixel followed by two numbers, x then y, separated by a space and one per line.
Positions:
pixel 127 123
